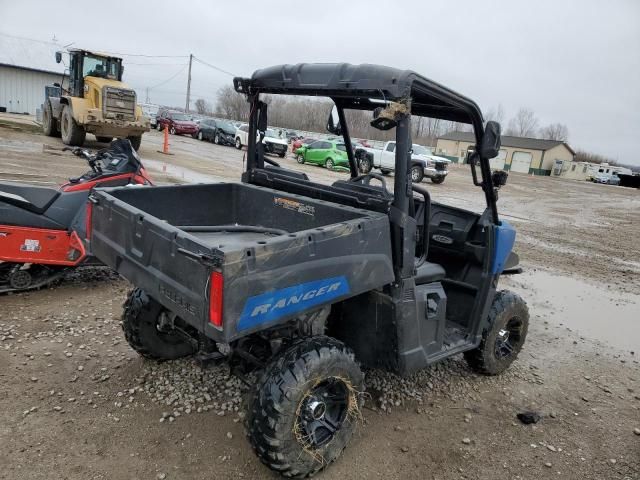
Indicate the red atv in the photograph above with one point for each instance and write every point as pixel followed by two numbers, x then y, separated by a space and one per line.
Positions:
pixel 44 231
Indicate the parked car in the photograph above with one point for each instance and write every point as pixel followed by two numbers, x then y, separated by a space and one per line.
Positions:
pixel 330 153
pixel 423 162
pixel 150 111
pixel 178 123
pixel 292 136
pixel 272 142
pixel 300 142
pixel 216 131
pixel 607 179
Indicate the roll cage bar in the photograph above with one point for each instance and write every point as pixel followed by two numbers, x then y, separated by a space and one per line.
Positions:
pixel 366 87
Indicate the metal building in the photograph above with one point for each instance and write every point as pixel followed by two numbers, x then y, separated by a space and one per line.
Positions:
pixel 26 67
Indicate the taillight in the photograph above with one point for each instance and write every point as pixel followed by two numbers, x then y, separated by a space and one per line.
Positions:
pixel 87 221
pixel 216 285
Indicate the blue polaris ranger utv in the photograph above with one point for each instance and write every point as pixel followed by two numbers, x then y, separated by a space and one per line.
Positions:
pixel 302 283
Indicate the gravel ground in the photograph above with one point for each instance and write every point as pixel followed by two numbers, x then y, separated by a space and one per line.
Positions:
pixel 76 402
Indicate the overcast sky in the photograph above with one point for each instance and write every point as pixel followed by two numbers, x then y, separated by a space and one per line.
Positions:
pixel 573 62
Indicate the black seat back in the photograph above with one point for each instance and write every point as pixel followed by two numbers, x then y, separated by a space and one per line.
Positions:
pixel 29 197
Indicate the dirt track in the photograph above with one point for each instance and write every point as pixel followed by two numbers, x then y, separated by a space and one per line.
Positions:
pixel 62 354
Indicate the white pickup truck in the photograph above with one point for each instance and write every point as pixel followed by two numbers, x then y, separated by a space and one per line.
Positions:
pixel 423 162
pixel 273 144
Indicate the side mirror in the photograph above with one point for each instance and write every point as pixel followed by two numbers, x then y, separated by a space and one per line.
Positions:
pixel 56 84
pixel 499 178
pixel 333 123
pixel 490 144
pixel 262 117
pixel 58 57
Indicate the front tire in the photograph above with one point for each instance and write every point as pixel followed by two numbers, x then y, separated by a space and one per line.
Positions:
pixel 172 130
pixel 216 139
pixel 49 124
pixel 135 140
pixel 104 139
pixel 417 174
pixel 72 133
pixel 159 127
pixel 238 143
pixel 140 326
pixel 438 180
pixel 305 407
pixel 200 137
pixel 328 164
pixel 503 338
pixel 300 158
pixel 282 154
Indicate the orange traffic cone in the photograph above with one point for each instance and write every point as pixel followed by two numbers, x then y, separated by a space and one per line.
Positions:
pixel 165 143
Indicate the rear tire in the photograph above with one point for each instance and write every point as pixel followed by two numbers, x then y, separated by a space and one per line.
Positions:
pixel 135 140
pixel 104 139
pixel 305 407
pixel 139 323
pixel 238 143
pixel 159 127
pixel 72 133
pixel 328 164
pixel 282 154
pixel 49 124
pixel 417 174
pixel 385 172
pixel 503 337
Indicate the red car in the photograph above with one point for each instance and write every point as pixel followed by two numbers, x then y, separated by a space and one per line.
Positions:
pixel 178 123
pixel 301 141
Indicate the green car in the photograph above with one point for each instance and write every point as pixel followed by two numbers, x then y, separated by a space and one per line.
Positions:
pixel 329 153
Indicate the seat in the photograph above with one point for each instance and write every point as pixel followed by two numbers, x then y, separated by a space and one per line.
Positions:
pixel 429 272
pixel 29 197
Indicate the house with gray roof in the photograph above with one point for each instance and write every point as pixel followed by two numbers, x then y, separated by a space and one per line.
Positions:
pixel 517 154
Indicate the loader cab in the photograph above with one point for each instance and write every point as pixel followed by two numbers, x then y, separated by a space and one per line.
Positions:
pixel 84 63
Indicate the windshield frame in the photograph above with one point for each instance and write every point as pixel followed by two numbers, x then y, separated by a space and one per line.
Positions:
pixel 111 63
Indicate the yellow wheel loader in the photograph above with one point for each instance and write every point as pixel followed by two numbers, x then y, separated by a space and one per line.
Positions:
pixel 95 101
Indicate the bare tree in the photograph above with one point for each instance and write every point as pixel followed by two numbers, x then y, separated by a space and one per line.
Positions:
pixel 524 124
pixel 495 114
pixel 231 104
pixel 555 131
pixel 584 156
pixel 203 107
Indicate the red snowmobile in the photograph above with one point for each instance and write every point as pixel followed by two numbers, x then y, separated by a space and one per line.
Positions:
pixel 44 231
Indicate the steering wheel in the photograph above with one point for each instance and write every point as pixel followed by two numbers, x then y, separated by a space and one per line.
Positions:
pixel 366 178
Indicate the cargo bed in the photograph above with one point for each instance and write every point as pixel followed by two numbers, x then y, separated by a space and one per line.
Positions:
pixel 279 254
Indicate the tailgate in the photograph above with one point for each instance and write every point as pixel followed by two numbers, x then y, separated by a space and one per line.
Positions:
pixel 153 255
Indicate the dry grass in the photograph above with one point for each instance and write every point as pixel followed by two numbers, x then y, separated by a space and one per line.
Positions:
pixel 354 414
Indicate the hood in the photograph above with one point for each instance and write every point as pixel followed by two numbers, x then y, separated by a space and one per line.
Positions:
pixel 100 82
pixel 185 123
pixel 431 158
pixel 228 131
pixel 275 140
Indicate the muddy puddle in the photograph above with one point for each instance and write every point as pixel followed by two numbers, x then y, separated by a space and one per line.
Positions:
pixel 599 313
pixel 180 173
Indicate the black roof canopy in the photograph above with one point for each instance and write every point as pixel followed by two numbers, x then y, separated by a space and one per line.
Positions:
pixel 355 86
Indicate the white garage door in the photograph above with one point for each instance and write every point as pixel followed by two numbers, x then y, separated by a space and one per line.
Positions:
pixel 520 162
pixel 498 162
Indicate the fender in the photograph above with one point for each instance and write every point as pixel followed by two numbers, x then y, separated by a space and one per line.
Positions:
pixel 417 161
pixel 56 107
pixel 79 107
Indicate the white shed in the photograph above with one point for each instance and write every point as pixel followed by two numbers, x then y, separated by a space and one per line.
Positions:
pixel 26 67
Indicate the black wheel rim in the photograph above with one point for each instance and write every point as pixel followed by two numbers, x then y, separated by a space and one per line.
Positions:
pixel 509 338
pixel 323 412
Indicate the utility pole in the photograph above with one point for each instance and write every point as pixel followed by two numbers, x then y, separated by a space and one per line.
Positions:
pixel 147 95
pixel 186 108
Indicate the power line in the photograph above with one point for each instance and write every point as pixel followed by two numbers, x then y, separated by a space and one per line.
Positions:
pixel 214 67
pixel 170 78
pixel 157 64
